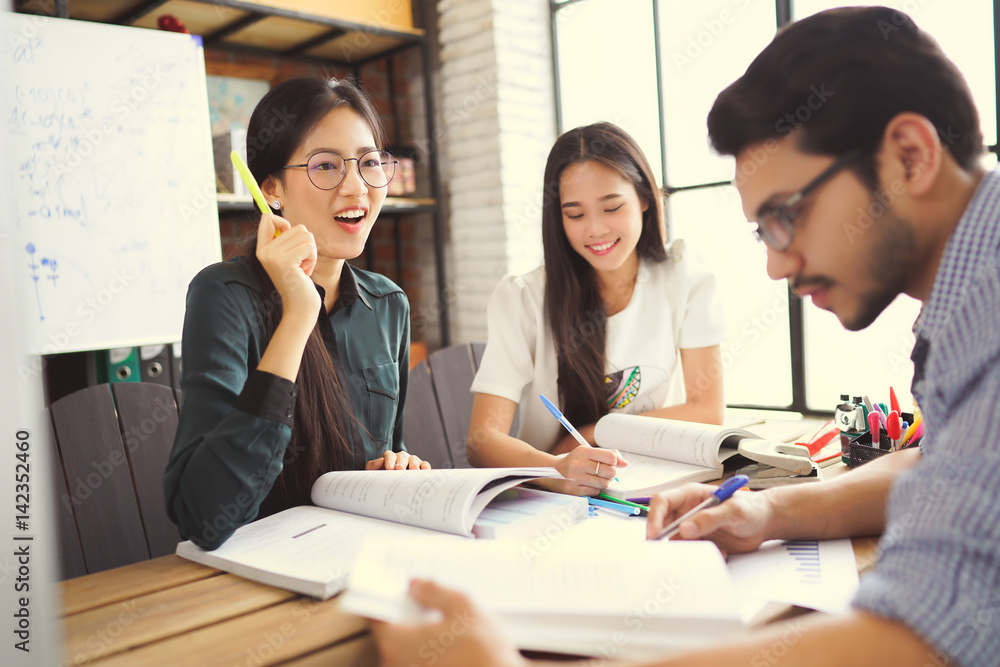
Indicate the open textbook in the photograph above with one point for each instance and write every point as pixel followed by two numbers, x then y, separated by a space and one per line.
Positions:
pixel 309 549
pixel 665 452
pixel 620 600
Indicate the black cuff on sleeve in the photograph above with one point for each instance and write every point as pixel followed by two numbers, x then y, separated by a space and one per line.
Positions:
pixel 268 396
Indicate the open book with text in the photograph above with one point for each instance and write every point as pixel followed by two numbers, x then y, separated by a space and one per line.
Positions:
pixel 309 549
pixel 665 452
pixel 623 599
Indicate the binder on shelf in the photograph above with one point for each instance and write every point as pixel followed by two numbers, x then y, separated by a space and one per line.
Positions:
pixel 155 363
pixel 120 364
pixel 175 366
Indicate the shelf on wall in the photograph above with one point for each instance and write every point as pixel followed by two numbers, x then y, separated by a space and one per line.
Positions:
pixel 230 203
pixel 341 31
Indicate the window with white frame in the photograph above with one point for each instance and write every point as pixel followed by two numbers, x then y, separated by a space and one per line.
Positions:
pixel 654 67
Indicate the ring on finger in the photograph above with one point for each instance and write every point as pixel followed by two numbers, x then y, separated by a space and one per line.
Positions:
pixel 597 471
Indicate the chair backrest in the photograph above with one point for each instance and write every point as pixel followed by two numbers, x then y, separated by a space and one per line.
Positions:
pixel 113 443
pixel 439 405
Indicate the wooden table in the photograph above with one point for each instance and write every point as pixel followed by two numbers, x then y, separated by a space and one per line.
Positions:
pixel 169 611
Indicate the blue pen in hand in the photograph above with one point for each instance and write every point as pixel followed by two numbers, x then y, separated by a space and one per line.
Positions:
pixel 565 422
pixel 725 490
pixel 562 420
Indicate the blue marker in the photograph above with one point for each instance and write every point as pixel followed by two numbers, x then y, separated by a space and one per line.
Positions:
pixel 618 507
pixel 725 490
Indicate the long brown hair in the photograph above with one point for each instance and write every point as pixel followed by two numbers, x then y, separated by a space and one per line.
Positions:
pixel 576 312
pixel 323 413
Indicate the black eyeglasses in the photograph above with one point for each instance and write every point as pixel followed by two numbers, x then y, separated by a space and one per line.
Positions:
pixel 327 170
pixel 776 225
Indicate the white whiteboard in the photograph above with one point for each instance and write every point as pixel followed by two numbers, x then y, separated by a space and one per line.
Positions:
pixel 110 174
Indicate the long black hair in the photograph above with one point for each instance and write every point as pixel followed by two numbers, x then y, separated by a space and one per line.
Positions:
pixel 576 312
pixel 323 412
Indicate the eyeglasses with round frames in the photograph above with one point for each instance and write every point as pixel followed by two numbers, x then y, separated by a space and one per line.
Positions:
pixel 327 170
pixel 776 226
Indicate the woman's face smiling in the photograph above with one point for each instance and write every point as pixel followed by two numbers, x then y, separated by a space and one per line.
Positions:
pixel 601 214
pixel 342 218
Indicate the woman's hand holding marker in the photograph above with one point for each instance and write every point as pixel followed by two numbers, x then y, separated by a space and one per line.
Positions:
pixel 289 260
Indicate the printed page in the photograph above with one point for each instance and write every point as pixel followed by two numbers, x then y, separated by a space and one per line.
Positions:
pixel 685 442
pixel 445 500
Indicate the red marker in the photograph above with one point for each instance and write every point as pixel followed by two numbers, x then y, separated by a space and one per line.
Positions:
pixel 893 401
pixel 893 429
pixel 873 426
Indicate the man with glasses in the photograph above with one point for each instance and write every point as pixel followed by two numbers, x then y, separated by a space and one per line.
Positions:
pixel 878 192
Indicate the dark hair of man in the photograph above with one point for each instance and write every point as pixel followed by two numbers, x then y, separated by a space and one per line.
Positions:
pixel 323 412
pixel 576 312
pixel 839 77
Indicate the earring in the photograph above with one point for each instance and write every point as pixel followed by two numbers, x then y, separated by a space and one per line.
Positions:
pixel 276 204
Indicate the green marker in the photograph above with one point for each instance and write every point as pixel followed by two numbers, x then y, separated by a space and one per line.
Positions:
pixel 623 502
pixel 248 180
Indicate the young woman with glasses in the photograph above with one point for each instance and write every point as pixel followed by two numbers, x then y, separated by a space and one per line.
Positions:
pixel 599 326
pixel 295 363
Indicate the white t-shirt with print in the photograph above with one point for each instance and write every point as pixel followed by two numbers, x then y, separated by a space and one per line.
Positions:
pixel 673 306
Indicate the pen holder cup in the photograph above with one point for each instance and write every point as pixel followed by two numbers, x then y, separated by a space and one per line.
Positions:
pixel 861 449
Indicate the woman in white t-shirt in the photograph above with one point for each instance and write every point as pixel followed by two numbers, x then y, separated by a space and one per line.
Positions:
pixel 598 327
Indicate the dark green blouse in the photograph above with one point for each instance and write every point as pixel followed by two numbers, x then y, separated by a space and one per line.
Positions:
pixel 236 422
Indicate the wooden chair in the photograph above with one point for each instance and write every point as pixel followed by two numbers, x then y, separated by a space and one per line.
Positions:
pixel 113 443
pixel 439 405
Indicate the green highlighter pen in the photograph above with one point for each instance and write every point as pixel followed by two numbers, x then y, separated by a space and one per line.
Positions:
pixel 605 496
pixel 250 182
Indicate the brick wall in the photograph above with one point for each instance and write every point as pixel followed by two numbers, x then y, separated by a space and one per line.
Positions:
pixel 497 127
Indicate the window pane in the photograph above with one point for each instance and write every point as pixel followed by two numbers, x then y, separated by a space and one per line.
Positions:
pixel 704 48
pixel 963 29
pixel 869 361
pixel 755 356
pixel 839 361
pixel 607 70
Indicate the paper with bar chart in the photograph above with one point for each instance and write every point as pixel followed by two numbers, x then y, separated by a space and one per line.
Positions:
pixel 818 574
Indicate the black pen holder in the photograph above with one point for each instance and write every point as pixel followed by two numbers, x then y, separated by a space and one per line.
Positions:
pixel 861 450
